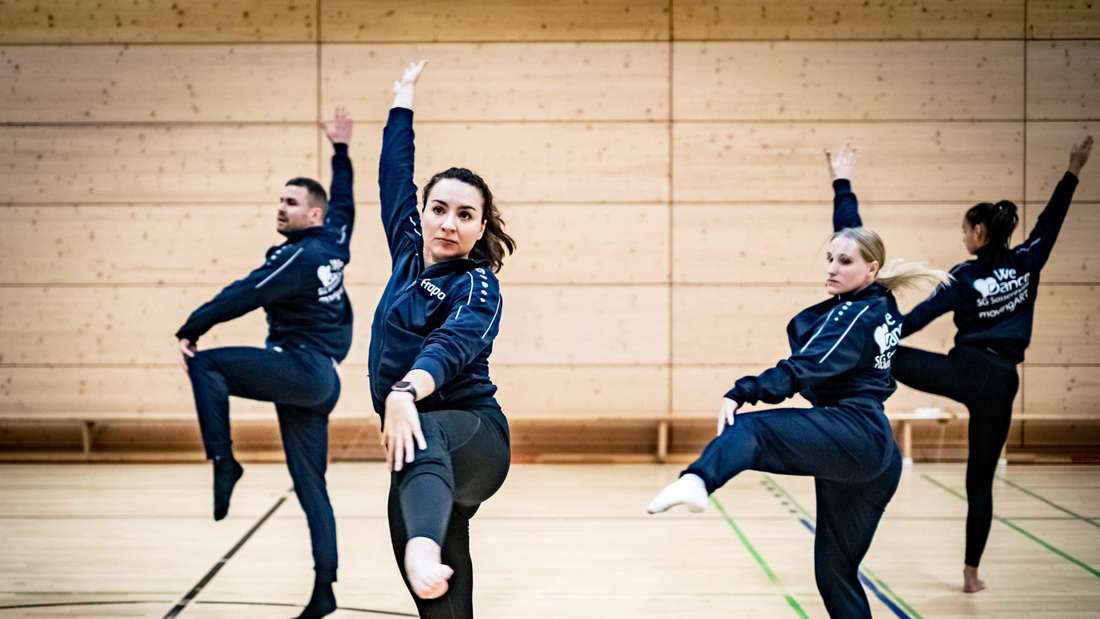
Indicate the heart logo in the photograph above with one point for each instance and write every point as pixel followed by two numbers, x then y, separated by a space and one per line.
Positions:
pixel 986 286
pixel 324 273
pixel 880 337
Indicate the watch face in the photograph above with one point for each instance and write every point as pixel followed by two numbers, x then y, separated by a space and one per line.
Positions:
pixel 402 385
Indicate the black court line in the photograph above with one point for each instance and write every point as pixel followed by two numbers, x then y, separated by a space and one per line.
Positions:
pixel 96 603
pixel 353 609
pixel 392 613
pixel 178 608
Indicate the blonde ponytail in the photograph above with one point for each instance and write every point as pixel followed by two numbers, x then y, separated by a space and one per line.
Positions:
pixel 898 274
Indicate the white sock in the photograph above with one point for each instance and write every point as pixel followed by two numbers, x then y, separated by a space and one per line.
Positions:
pixel 689 490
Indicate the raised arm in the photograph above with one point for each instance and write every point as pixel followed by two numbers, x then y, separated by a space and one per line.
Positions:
pixel 845 205
pixel 1040 242
pixel 341 200
pixel 397 190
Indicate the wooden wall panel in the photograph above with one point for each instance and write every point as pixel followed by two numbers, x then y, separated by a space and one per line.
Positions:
pixel 152 163
pixel 504 81
pixel 214 244
pixel 735 325
pixel 161 83
pixel 534 162
pixel 1063 78
pixel 582 393
pixel 494 20
pixel 785 242
pixel 160 21
pixel 848 80
pixel 1048 145
pixel 841 19
pixel 108 325
pixel 525 393
pixel 957 162
pixel 1074 259
pixel 1065 328
pixel 584 325
pixel 1063 19
pixel 540 325
pixel 161 243
pixel 747 325
pixel 1051 390
pixel 557 243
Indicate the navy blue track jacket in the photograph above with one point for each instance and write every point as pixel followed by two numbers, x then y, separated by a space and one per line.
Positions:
pixel 993 295
pixel 301 282
pixel 840 348
pixel 442 319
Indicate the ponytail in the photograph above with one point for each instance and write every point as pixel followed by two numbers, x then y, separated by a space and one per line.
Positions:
pixel 999 219
pixel 898 274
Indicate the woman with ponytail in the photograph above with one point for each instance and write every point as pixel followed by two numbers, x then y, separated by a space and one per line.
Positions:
pixel 993 299
pixel 446 437
pixel 840 361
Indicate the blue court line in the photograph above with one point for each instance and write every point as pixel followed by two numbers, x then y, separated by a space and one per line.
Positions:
pixel 896 604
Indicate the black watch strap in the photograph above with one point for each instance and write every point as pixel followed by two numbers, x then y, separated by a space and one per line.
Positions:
pixel 406 386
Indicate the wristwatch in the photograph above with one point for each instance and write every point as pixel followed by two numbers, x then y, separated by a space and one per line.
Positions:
pixel 405 386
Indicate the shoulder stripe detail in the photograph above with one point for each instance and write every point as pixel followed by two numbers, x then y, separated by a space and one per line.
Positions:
pixel 842 335
pixel 1028 246
pixel 491 320
pixel 469 297
pixel 279 270
pixel 823 323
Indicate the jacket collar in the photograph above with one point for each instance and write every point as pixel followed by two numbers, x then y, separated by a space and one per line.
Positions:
pixel 874 290
pixel 989 250
pixel 297 235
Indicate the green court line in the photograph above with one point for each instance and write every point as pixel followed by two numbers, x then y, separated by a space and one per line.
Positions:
pixel 867 571
pixel 1022 531
pixel 793 603
pixel 1046 500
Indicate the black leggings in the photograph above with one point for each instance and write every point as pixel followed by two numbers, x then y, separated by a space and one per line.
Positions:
pixel 986 383
pixel 436 494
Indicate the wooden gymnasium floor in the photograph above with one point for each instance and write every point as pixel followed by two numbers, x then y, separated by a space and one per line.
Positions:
pixel 558 541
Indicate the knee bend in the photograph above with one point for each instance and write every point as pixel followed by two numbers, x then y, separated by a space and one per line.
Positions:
pixel 425 470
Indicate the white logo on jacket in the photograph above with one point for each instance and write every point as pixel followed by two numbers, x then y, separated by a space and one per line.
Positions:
pixel 433 290
pixel 887 336
pixel 332 281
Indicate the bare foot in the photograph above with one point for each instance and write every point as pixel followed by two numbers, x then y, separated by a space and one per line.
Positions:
pixel 689 490
pixel 426 572
pixel 971 582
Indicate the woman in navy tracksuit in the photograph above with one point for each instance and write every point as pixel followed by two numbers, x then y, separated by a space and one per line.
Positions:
pixel 446 437
pixel 993 298
pixel 840 361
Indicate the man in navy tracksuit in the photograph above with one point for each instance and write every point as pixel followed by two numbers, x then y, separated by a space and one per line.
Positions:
pixel 300 286
pixel 840 362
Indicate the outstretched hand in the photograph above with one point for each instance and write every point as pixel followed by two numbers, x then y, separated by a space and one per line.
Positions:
pixel 843 162
pixel 339 130
pixel 410 76
pixel 1079 155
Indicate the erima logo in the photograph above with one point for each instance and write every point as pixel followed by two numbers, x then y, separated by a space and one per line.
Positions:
pixel 432 289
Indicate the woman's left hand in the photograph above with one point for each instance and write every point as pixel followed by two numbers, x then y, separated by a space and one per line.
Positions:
pixel 402 428
pixel 727 413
